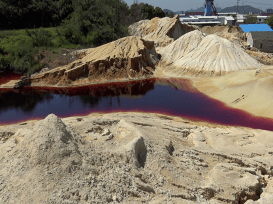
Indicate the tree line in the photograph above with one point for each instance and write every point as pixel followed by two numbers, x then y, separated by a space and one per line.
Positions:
pixel 21 14
pixel 84 21
pixel 27 26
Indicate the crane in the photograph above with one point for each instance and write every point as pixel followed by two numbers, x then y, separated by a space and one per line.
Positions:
pixel 209 8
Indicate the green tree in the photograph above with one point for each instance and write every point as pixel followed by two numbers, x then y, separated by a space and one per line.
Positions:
pixel 148 11
pixel 19 14
pixel 170 15
pixel 251 20
pixel 135 14
pixel 95 22
pixel 269 21
pixel 159 12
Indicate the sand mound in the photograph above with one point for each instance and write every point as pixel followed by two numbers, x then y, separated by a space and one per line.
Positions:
pixel 236 35
pixel 213 56
pixel 162 31
pixel 181 47
pixel 231 33
pixel 127 58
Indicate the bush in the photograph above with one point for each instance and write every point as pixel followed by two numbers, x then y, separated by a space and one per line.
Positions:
pixel 40 37
pixel 21 52
pixel 251 20
pixel 269 21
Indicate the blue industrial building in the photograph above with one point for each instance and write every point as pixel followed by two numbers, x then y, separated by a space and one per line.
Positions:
pixel 247 28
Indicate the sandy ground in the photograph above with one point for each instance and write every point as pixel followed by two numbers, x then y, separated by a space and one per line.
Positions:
pixel 249 90
pixel 133 158
pixel 246 90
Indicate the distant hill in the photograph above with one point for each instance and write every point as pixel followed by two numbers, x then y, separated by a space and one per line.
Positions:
pixel 179 12
pixel 201 9
pixel 242 9
pixel 168 11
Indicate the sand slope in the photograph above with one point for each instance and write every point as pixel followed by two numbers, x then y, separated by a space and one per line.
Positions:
pixel 231 33
pixel 181 47
pixel 127 58
pixel 213 56
pixel 162 31
pixel 133 158
pixel 249 90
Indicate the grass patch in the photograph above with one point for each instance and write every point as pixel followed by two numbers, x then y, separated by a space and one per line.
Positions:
pixel 17 47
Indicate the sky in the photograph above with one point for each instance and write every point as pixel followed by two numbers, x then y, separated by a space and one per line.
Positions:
pixel 183 5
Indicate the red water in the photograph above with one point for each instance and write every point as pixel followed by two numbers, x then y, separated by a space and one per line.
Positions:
pixel 5 77
pixel 167 96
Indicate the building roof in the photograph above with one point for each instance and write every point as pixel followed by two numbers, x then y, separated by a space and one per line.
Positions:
pixel 229 18
pixel 255 27
pixel 267 35
pixel 195 13
pixel 205 23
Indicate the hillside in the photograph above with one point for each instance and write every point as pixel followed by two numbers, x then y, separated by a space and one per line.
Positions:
pixel 242 9
pixel 192 10
pixel 174 12
pixel 202 9
pixel 168 11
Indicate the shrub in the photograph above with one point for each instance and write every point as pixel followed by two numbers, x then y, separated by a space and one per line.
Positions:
pixel 41 37
pixel 269 21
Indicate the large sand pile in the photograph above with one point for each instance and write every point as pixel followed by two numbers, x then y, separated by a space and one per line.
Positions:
pixel 133 158
pixel 127 58
pixel 181 47
pixel 231 33
pixel 162 31
pixel 212 55
pixel 237 36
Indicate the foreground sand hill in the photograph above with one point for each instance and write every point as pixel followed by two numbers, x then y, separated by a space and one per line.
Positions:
pixel 134 158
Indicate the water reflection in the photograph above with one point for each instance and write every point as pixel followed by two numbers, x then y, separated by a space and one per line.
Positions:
pixel 25 100
pixel 168 96
pixel 7 76
pixel 36 102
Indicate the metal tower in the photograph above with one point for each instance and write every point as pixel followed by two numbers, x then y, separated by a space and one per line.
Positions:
pixel 209 8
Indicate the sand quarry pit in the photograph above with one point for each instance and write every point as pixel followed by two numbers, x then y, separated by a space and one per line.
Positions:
pixel 187 52
pixel 147 157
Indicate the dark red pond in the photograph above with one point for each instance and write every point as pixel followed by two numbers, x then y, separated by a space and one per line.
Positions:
pixel 7 76
pixel 168 96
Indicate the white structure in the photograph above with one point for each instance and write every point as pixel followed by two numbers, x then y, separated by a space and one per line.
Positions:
pixel 227 14
pixel 241 18
pixel 207 20
pixel 229 20
pixel 261 19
